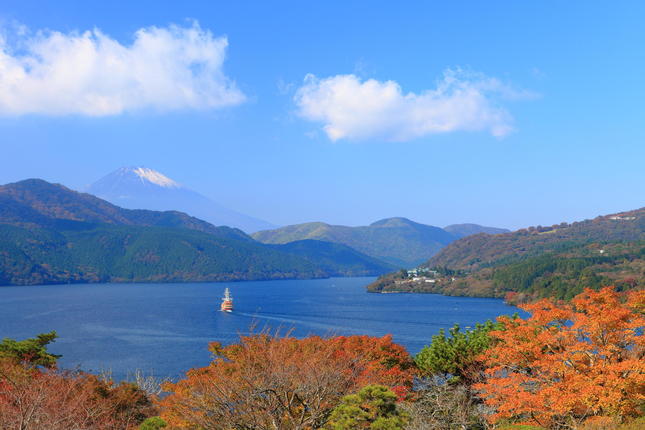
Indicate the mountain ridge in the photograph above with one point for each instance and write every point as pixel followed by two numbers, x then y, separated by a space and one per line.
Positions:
pixel 397 240
pixel 51 234
pixel 474 251
pixel 468 229
pixel 139 187
pixel 56 201
pixel 556 261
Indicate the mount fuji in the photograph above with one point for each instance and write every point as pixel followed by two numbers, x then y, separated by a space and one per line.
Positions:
pixel 144 188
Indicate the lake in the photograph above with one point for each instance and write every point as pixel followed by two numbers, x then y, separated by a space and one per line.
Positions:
pixel 164 329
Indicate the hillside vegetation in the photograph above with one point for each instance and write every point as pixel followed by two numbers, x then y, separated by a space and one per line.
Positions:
pixel 34 202
pixel 555 261
pixel 50 234
pixel 333 258
pixel 398 241
pixel 111 253
pixel 478 251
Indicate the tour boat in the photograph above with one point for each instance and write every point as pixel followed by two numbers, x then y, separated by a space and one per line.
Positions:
pixel 227 302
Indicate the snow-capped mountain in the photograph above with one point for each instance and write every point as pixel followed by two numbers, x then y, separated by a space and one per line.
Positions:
pixel 153 176
pixel 144 188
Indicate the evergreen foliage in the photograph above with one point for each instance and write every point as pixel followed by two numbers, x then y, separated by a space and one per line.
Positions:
pixel 153 423
pixel 50 234
pixel 373 407
pixel 31 352
pixel 561 275
pixel 456 355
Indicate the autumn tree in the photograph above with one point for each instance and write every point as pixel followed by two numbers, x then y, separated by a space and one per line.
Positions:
pixel 34 399
pixel 34 395
pixel 438 405
pixel 443 398
pixel 380 360
pixel 569 363
pixel 273 382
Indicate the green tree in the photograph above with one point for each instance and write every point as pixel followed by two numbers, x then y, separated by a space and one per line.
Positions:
pixel 32 351
pixel 153 423
pixel 455 355
pixel 373 407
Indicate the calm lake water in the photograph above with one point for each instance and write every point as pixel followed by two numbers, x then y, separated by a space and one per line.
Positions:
pixel 164 329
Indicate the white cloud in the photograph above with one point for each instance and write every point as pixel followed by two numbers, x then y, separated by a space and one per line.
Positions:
pixel 90 73
pixel 352 109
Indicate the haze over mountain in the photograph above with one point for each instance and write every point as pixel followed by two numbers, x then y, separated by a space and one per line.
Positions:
pixel 463 230
pixel 34 202
pixel 398 241
pixel 144 188
pixel 51 234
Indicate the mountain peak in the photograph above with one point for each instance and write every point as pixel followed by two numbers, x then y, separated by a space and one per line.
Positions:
pixel 393 222
pixel 146 174
pixel 140 187
pixel 398 241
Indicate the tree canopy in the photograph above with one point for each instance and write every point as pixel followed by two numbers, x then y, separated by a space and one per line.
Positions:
pixel 569 363
pixel 269 382
pixel 457 354
pixel 373 407
pixel 30 351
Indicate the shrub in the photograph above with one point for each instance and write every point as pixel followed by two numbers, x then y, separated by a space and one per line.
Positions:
pixel 373 407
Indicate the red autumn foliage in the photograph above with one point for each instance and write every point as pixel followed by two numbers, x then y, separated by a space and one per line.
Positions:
pixel 37 399
pixel 281 382
pixel 569 363
pixel 510 297
pixel 381 360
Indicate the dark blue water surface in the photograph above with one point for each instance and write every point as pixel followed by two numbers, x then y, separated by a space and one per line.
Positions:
pixel 164 329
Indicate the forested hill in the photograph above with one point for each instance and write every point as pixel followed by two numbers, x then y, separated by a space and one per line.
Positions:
pixel 51 234
pixel 399 241
pixel 38 202
pixel 557 261
pixel 473 252
pixel 334 258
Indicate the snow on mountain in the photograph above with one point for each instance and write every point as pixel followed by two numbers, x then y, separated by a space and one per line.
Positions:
pixel 155 177
pixel 145 188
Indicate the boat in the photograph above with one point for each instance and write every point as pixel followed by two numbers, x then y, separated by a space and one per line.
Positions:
pixel 227 302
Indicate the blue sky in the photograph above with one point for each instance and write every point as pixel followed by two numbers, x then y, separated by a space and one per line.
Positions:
pixel 543 121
